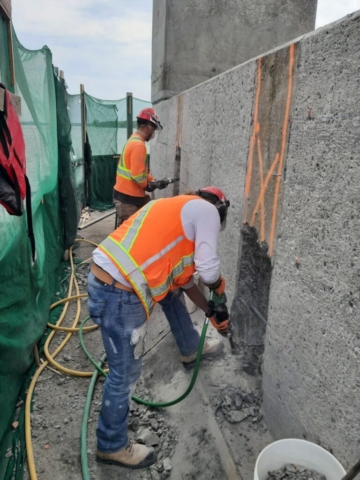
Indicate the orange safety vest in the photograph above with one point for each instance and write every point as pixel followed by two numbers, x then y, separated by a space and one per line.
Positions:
pixel 151 251
pixel 125 182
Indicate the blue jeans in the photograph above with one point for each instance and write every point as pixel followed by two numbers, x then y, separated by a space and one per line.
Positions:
pixel 181 326
pixel 122 319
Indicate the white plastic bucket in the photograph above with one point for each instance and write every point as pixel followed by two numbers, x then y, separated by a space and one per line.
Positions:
pixel 299 452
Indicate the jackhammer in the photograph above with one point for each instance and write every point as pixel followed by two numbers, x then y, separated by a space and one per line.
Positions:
pixel 160 184
pixel 218 309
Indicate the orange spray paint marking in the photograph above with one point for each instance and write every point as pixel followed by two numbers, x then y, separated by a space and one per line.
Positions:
pixel 262 207
pixel 263 189
pixel 256 127
pixel 283 146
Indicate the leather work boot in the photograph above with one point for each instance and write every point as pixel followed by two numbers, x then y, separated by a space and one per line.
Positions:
pixel 134 456
pixel 211 349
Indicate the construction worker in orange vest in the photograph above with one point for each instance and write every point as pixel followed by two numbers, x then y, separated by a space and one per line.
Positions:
pixel 140 264
pixel 132 176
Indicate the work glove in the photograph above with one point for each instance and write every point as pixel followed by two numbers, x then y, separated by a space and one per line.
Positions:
pixel 151 186
pixel 220 289
pixel 162 183
pixel 222 327
pixel 218 312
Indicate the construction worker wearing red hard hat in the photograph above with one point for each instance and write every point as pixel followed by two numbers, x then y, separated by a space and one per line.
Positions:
pixel 132 176
pixel 140 264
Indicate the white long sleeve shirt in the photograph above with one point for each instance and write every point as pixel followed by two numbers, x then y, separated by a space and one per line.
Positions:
pixel 201 223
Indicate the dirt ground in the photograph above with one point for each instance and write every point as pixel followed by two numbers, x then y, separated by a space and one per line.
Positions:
pixel 216 432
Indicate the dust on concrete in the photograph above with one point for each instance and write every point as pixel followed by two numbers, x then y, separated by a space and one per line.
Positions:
pixel 191 440
pixel 250 305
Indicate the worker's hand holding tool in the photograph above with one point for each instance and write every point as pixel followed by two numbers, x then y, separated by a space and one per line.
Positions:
pixel 160 184
pixel 218 311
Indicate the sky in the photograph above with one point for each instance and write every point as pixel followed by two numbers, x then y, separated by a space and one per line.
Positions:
pixel 106 44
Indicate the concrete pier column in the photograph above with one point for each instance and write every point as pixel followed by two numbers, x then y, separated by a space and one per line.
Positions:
pixel 194 40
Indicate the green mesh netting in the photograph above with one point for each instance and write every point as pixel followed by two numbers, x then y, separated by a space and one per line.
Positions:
pixel 67 190
pixel 77 157
pixel 107 134
pixel 4 56
pixel 51 123
pixel 26 290
pixel 101 128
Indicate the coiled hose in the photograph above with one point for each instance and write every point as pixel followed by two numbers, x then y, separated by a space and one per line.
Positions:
pixel 50 359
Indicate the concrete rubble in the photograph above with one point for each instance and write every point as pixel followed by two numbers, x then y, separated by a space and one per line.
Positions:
pixel 216 432
pixel 295 472
pixel 236 405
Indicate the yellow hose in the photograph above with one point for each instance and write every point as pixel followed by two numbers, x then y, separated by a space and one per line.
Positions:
pixel 50 357
pixel 69 329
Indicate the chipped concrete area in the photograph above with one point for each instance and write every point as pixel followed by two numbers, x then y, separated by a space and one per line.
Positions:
pixel 216 432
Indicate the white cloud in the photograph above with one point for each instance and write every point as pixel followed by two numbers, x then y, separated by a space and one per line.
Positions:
pixel 330 10
pixel 106 44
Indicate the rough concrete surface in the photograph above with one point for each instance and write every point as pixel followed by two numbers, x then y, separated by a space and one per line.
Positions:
pixel 311 361
pixel 213 135
pixel 195 40
pixel 311 364
pixel 215 433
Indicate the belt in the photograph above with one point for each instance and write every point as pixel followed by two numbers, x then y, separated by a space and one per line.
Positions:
pixel 106 279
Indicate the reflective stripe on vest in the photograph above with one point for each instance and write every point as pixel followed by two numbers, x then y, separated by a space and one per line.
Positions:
pixel 119 252
pixel 124 172
pixel 176 272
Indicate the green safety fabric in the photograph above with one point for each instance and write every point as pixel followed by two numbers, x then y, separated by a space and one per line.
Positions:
pixel 4 56
pixel 77 156
pixel 26 289
pixel 67 190
pixel 62 183
pixel 107 135
pixel 102 173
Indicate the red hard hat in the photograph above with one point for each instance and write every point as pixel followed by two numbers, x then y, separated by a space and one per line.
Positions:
pixel 215 191
pixel 217 198
pixel 150 115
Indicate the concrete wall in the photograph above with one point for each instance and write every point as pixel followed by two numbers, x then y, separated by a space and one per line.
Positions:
pixel 280 134
pixel 312 349
pixel 211 123
pixel 194 40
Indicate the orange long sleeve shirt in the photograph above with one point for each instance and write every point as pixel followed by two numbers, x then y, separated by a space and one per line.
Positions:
pixel 133 172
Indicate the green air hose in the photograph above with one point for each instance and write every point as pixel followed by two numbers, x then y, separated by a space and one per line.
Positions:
pixel 84 462
pixel 84 424
pixel 146 402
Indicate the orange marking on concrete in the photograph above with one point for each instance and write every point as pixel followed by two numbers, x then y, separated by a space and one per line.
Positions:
pixel 262 206
pixel 263 188
pixel 283 146
pixel 252 141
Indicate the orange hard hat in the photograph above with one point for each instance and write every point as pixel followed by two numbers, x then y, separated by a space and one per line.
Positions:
pixel 151 116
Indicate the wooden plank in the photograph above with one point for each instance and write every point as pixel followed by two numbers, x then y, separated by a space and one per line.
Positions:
pixel 129 113
pixel 2 99
pixel 11 53
pixel 83 136
pixel 15 102
pixel 5 9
